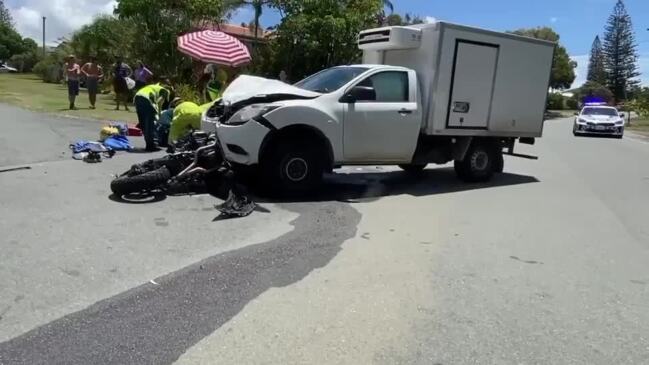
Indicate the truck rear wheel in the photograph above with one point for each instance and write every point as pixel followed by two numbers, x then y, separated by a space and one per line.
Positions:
pixel 479 163
pixel 499 162
pixel 294 168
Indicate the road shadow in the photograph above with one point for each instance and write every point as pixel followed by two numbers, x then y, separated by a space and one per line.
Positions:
pixel 601 136
pixel 364 185
pixel 142 150
pixel 157 322
pixel 352 186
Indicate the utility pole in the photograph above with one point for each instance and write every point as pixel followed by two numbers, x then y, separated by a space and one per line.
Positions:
pixel 44 37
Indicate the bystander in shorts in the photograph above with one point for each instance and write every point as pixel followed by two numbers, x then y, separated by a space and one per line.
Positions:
pixel 73 87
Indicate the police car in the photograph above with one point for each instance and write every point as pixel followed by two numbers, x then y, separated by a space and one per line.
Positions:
pixel 599 119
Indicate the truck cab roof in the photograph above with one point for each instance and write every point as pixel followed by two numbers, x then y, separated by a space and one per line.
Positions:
pixel 377 66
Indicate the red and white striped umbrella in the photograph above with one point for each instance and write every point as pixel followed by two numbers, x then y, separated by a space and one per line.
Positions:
pixel 212 46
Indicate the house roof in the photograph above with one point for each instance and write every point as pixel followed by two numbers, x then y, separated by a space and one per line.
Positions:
pixel 241 32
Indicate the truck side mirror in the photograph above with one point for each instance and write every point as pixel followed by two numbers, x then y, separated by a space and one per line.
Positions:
pixel 622 115
pixel 576 113
pixel 359 93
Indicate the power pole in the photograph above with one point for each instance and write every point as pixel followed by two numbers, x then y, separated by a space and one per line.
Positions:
pixel 43 37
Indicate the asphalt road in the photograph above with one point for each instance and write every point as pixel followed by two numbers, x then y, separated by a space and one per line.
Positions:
pixel 547 264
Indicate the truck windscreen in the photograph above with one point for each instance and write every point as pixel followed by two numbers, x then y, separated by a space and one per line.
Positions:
pixel 330 79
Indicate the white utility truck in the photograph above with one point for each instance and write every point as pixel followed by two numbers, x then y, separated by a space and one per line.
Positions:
pixel 428 93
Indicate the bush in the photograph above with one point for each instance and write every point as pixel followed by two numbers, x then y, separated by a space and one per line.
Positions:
pixel 594 90
pixel 555 101
pixel 572 103
pixel 188 93
pixel 641 103
pixel 49 70
pixel 24 62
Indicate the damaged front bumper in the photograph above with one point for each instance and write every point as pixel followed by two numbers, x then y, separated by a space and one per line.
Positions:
pixel 240 143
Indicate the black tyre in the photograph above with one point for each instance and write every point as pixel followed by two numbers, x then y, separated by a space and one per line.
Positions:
pixel 479 163
pixel 413 168
pixel 145 182
pixel 619 137
pixel 294 168
pixel 499 161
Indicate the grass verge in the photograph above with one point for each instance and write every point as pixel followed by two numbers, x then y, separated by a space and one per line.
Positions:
pixel 30 92
pixel 640 125
pixel 558 114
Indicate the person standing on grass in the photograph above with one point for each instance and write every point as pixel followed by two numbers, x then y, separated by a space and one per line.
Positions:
pixel 93 73
pixel 120 72
pixel 142 75
pixel 149 101
pixel 72 71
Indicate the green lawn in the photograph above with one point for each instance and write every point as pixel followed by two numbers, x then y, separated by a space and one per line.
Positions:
pixel 640 125
pixel 28 91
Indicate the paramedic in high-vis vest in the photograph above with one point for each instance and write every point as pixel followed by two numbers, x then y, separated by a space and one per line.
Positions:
pixel 186 118
pixel 149 101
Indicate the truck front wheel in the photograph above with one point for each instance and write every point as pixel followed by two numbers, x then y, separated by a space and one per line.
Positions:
pixel 294 168
pixel 479 164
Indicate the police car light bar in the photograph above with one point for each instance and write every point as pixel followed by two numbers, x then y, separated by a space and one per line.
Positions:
pixel 594 101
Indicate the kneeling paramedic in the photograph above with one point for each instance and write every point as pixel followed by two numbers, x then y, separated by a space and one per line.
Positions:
pixel 186 118
pixel 149 101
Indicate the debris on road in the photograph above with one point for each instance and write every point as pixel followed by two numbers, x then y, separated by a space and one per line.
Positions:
pixel 237 205
pixel 16 168
pixel 112 138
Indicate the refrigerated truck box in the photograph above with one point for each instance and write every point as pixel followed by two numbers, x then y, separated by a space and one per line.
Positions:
pixel 473 82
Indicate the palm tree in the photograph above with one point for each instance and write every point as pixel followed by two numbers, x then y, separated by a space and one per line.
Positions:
pixel 388 4
pixel 258 8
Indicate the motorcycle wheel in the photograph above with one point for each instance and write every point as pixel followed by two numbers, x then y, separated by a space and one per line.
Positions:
pixel 145 182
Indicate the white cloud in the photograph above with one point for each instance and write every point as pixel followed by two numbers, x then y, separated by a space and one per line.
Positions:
pixel 554 19
pixel 63 16
pixel 430 19
pixel 582 69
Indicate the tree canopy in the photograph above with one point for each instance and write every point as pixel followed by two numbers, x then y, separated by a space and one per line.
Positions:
pixel 407 19
pixel 5 16
pixel 596 70
pixel 157 24
pixel 11 43
pixel 619 49
pixel 323 33
pixel 105 38
pixel 21 52
pixel 593 89
pixel 563 68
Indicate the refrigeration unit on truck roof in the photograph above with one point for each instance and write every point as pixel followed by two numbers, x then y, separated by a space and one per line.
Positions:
pixel 390 38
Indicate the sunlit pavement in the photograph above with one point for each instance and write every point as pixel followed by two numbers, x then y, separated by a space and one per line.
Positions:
pixel 546 264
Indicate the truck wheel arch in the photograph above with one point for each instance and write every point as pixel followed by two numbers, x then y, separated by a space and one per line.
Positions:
pixel 301 131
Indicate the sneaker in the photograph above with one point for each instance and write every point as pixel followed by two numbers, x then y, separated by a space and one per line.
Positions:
pixel 152 149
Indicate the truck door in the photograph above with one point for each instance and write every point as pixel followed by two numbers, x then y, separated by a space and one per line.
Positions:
pixel 472 85
pixel 384 124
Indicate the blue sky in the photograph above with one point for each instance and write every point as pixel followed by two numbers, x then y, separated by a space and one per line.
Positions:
pixel 577 21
